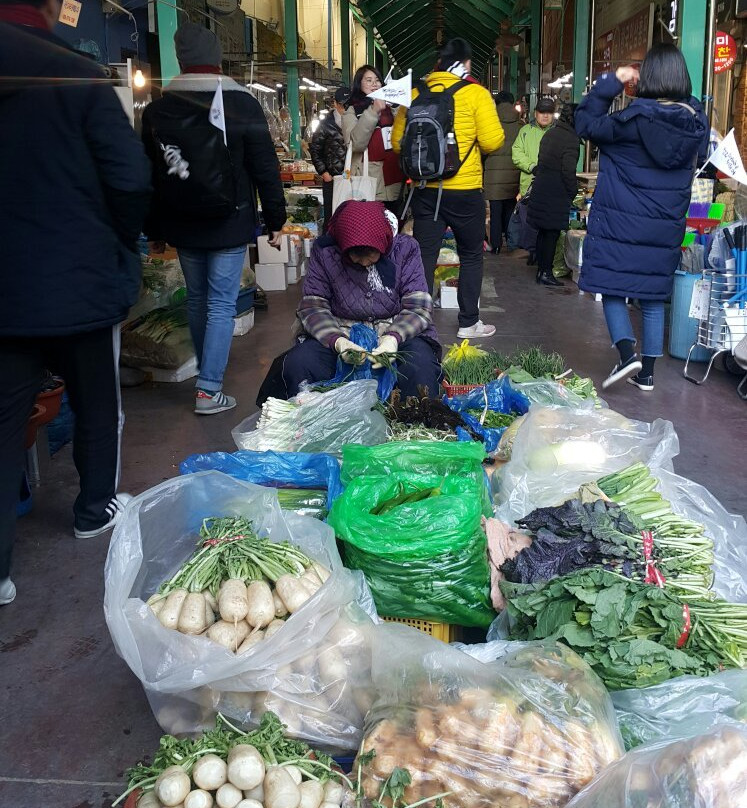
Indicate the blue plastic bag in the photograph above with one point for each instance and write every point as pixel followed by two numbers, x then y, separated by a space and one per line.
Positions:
pixel 273 469
pixel 368 339
pixel 498 396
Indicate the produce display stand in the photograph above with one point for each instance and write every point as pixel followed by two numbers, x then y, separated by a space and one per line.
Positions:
pixel 439 631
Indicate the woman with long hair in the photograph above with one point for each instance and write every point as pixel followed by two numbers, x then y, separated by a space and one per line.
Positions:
pixel 648 155
pixel 367 124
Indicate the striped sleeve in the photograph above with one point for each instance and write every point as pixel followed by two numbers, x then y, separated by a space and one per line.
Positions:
pixel 318 321
pixel 415 316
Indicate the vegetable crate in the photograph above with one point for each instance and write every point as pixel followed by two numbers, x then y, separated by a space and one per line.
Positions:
pixel 452 390
pixel 439 631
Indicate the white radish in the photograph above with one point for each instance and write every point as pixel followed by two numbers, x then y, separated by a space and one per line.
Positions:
pixel 321 571
pixel 209 614
pixel 192 614
pixel 256 794
pixel 310 575
pixel 292 592
pixel 229 635
pixel 228 796
pixel 261 611
pixel 210 598
pixel 246 768
pixel 333 792
pixel 280 610
pixel 148 800
pixel 156 603
pixel 169 614
pixel 280 790
pixel 199 799
pixel 172 786
pixel 329 805
pixel 232 601
pixel 210 772
pixel 295 773
pixel 312 794
pixel 273 628
pixel 332 666
pixel 253 638
pixel 247 803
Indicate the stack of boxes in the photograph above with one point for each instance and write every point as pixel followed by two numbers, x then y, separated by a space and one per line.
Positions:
pixel 277 269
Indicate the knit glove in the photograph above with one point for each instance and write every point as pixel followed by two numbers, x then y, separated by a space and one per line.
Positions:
pixel 387 345
pixel 350 352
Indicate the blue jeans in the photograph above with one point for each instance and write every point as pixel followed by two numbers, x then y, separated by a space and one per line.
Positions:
pixel 618 323
pixel 213 278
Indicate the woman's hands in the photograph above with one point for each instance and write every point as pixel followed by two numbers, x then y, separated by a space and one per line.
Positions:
pixel 387 346
pixel 627 73
pixel 350 352
pixel 378 106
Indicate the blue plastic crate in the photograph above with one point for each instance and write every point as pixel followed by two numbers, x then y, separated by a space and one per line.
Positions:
pixel 245 300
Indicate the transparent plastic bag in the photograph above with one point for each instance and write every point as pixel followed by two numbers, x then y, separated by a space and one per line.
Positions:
pixel 708 771
pixel 273 469
pixel 557 449
pixel 547 393
pixel 682 707
pixel 529 730
pixel 317 422
pixel 156 535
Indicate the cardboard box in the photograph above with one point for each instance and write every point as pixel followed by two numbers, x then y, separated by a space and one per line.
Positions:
pixel 292 273
pixel 270 255
pixel 271 277
pixel 243 324
pixel 304 267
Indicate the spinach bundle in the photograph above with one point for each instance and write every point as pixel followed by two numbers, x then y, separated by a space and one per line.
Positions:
pixel 631 634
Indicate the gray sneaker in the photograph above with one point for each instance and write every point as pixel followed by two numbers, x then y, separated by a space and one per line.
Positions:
pixel 476 331
pixel 206 404
pixel 7 592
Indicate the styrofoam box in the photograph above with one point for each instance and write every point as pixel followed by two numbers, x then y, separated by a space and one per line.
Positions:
pixel 307 244
pixel 271 255
pixel 271 277
pixel 304 267
pixel 295 250
pixel 243 324
pixel 292 273
pixel 186 371
pixel 448 297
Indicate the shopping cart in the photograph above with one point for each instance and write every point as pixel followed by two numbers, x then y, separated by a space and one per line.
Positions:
pixel 720 305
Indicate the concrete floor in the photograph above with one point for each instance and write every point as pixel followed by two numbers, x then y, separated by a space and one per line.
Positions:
pixel 74 717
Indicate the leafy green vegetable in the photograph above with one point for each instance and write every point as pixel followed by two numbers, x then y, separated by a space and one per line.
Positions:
pixel 493 420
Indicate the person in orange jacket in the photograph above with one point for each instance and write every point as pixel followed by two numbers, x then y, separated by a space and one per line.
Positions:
pixel 461 206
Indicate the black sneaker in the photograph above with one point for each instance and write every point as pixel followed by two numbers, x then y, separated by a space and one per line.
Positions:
pixel 622 370
pixel 642 382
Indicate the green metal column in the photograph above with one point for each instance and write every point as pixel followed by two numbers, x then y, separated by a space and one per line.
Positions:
pixel 513 72
pixel 534 52
pixel 167 25
pixel 693 18
pixel 386 64
pixel 370 45
pixel 345 41
pixel 580 48
pixel 291 69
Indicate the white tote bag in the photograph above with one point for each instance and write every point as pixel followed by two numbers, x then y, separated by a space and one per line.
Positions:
pixel 346 186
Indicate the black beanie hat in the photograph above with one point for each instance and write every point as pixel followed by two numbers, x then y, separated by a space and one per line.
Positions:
pixel 195 45
pixel 545 104
pixel 455 50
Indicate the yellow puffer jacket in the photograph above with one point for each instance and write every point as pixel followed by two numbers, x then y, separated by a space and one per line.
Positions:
pixel 475 119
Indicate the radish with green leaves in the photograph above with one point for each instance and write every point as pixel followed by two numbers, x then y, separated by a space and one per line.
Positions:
pixel 210 772
pixel 246 768
pixel 281 790
pixel 228 796
pixel 199 799
pixel 172 787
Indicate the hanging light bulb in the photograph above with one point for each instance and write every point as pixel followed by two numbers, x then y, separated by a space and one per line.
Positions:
pixel 139 79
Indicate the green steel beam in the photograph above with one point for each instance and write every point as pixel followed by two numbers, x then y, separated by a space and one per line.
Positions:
pixel 496 10
pixel 513 72
pixel 582 21
pixel 386 63
pixel 370 45
pixel 291 68
pixel 534 51
pixel 345 41
pixel 693 25
pixel 167 25
pixel 402 17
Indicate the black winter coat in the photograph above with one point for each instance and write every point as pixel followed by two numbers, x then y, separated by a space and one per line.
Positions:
pixel 328 148
pixel 255 164
pixel 74 186
pixel 555 184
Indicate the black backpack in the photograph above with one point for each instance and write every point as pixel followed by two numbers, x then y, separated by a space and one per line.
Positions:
pixel 194 173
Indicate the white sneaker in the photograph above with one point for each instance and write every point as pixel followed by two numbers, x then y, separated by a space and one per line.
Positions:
pixel 206 404
pixel 479 329
pixel 7 592
pixel 114 511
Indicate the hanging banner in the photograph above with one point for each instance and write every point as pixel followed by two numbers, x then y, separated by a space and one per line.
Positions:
pixel 724 52
pixel 70 13
pixel 397 92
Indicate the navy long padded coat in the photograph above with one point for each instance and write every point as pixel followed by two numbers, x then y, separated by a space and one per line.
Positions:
pixel 648 154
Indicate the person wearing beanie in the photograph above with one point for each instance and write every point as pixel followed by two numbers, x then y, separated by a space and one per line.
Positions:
pixel 501 175
pixel 206 181
pixel 75 186
pixel 328 149
pixel 525 153
pixel 458 202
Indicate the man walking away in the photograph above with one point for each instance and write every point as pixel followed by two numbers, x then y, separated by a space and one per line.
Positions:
pixel 328 149
pixel 75 188
pixel 457 201
pixel 501 175
pixel 211 151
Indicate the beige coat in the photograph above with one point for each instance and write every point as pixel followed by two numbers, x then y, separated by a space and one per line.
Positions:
pixel 358 131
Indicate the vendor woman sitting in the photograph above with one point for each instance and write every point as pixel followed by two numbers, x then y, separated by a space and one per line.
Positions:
pixel 363 272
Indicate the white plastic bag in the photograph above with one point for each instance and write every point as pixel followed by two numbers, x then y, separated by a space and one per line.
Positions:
pixel 321 422
pixel 186 677
pixel 346 186
pixel 557 449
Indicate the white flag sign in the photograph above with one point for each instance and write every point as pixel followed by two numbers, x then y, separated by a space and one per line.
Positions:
pixel 217 113
pixel 726 158
pixel 397 92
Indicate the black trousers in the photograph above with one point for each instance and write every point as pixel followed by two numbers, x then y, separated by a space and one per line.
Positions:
pixel 500 216
pixel 327 188
pixel 547 241
pixel 89 364
pixel 464 213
